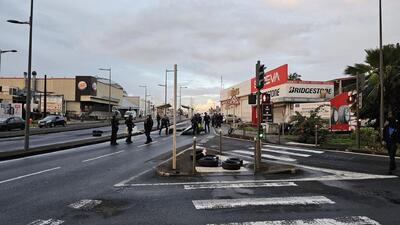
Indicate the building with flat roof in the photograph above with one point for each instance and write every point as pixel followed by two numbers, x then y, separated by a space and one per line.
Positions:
pixel 77 95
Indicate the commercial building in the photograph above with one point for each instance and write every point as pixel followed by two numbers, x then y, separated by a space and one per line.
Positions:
pixel 284 94
pixel 72 96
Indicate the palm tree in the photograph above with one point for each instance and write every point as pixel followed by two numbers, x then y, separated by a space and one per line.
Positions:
pixel 371 88
pixel 294 76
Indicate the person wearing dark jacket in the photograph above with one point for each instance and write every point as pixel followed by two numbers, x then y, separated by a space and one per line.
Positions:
pixel 114 130
pixel 207 123
pixel 194 124
pixel 148 126
pixel 164 123
pixel 129 125
pixel 158 121
pixel 391 138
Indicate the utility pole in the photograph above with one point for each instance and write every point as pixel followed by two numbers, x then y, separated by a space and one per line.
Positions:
pixel 109 91
pixel 259 85
pixel 358 111
pixel 174 135
pixel 381 80
pixel 45 97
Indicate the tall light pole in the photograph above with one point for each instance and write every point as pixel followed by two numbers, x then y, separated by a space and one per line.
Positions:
pixel 109 90
pixel 174 135
pixel 28 94
pixel 165 85
pixel 381 80
pixel 4 51
pixel 145 99
pixel 180 95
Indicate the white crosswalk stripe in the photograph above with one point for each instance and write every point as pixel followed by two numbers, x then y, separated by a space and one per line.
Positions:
pixel 243 202
pixel 239 185
pixel 352 220
pixel 268 156
pixel 283 152
pixel 47 222
pixel 293 149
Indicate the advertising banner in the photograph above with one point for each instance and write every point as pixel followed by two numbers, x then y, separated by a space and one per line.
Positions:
pixel 10 109
pixel 272 78
pixel 85 85
pixel 54 104
pixel 305 109
pixel 341 115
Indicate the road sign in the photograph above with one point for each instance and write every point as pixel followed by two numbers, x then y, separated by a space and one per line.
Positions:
pixel 267 116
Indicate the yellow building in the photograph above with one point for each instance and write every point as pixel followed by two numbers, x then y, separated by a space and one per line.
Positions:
pixel 79 94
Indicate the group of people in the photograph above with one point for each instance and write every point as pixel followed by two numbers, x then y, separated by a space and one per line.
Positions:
pixel 164 122
pixel 200 123
pixel 217 119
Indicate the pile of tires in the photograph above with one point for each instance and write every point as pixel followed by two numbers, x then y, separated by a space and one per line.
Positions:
pixel 209 161
pixel 232 164
pixel 97 133
pixel 199 155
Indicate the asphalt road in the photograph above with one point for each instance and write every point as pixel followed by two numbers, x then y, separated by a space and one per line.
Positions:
pixel 100 184
pixel 17 143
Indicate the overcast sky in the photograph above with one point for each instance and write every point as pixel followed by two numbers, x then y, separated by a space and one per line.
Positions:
pixel 207 39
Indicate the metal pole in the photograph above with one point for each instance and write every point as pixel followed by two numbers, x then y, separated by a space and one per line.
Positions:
pixel 45 97
pixel 145 101
pixel 174 137
pixel 381 118
pixel 255 154
pixel 194 156
pixel 0 59
pixel 258 145
pixel 109 94
pixel 220 141
pixel 166 91
pixel 279 134
pixel 316 135
pixel 28 94
pixel 358 111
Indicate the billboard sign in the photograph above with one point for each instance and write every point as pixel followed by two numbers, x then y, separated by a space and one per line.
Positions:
pixel 54 104
pixel 272 78
pixel 85 85
pixel 10 109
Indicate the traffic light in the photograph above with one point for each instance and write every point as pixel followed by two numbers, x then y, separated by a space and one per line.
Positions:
pixel 265 98
pixel 260 76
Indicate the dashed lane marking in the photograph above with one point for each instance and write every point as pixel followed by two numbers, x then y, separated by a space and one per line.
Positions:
pixel 102 156
pixel 243 202
pixel 29 175
pixel 352 220
pixel 147 144
pixel 85 204
pixel 47 222
pixel 239 185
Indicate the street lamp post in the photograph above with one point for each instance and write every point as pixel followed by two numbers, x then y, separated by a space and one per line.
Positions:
pixel 28 95
pixel 165 85
pixel 145 99
pixel 109 90
pixel 174 135
pixel 381 118
pixel 180 101
pixel 4 51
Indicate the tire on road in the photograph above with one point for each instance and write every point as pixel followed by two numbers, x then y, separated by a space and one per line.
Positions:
pixel 231 165
pixel 208 161
pixel 236 159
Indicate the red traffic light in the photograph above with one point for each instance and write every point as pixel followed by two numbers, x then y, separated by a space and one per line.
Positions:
pixel 265 98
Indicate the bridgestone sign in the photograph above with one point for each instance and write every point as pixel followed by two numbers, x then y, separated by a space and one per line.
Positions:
pixel 309 90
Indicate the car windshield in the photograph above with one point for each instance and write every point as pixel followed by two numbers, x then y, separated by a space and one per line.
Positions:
pixel 49 117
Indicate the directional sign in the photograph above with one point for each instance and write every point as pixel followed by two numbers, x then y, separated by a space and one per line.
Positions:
pixel 267 116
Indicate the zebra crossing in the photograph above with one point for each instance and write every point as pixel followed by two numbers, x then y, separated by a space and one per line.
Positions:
pixel 271 201
pixel 279 153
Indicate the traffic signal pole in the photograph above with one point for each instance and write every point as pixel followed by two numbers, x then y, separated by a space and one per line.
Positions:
pixel 259 85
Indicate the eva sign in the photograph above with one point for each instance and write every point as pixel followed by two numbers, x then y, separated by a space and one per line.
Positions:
pixel 272 78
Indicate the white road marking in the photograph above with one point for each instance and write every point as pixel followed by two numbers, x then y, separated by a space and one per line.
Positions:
pixel 85 204
pixel 123 183
pixel 239 185
pixel 47 222
pixel 147 144
pixel 102 156
pixel 28 175
pixel 294 149
pixel 353 220
pixel 284 152
pixel 243 202
pixel 266 156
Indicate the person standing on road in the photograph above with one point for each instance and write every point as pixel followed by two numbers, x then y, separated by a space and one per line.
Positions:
pixel 148 126
pixel 129 126
pixel 164 123
pixel 207 123
pixel 391 137
pixel 158 121
pixel 194 124
pixel 114 129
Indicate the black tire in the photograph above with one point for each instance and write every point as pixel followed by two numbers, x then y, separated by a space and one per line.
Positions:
pixel 208 161
pixel 97 133
pixel 231 165
pixel 236 159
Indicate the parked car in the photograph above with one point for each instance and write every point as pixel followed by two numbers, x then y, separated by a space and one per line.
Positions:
pixel 128 113
pixel 52 121
pixel 230 118
pixel 11 123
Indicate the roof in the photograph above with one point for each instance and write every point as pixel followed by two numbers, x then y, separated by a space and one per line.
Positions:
pixel 163 106
pixel 125 104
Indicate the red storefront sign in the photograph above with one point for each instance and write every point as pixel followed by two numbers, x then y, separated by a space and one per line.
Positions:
pixel 340 112
pixel 272 78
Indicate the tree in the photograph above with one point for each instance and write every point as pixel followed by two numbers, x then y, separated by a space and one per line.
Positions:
pixel 371 88
pixel 294 76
